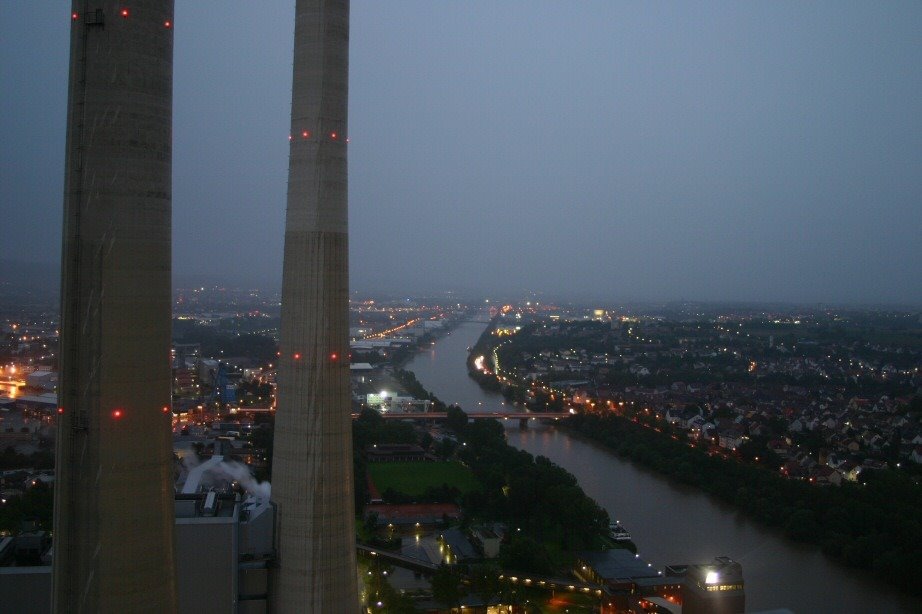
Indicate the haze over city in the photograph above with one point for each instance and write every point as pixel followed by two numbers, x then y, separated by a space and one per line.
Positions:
pixel 633 323
pixel 710 151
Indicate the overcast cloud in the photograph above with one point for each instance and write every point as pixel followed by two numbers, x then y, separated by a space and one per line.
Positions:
pixel 626 150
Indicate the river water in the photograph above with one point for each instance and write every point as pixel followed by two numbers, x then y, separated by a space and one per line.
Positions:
pixel 670 523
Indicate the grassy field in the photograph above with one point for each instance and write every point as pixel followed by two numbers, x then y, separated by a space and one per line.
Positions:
pixel 413 478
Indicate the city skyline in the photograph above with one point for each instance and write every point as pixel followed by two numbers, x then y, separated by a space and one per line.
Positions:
pixel 716 153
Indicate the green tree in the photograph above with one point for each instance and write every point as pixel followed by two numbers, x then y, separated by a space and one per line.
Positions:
pixel 456 419
pixel 485 582
pixel 446 587
pixel 525 554
pixel 35 504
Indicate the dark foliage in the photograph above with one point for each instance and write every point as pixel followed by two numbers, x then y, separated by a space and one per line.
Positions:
pixel 541 500
pixel 34 505
pixel 368 429
pixel 11 459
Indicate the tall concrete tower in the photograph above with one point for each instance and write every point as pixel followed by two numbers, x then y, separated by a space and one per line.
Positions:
pixel 113 515
pixel 312 462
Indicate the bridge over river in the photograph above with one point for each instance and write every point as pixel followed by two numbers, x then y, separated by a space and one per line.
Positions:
pixel 668 521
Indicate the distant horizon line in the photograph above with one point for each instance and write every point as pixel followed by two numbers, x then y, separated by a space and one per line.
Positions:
pixel 188 281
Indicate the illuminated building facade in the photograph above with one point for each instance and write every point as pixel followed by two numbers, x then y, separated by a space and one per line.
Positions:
pixel 715 588
pixel 113 513
pixel 312 458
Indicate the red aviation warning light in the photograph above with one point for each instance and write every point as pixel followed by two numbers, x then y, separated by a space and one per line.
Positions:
pixel 124 13
pixel 117 413
pixel 297 357
pixel 167 24
pixel 306 134
pixel 165 409
pixel 60 410
pixel 74 16
pixel 334 356
pixel 333 136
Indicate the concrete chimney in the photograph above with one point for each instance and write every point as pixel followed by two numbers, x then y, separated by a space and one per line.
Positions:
pixel 113 515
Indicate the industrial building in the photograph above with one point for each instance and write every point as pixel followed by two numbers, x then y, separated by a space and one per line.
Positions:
pixel 114 532
pixel 223 549
pixel 224 545
pixel 714 588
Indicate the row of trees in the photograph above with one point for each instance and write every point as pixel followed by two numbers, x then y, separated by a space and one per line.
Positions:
pixel 370 428
pixel 408 381
pixel 40 459
pixel 875 526
pixel 547 513
pixel 34 505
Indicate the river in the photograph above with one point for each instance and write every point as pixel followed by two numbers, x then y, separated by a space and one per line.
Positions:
pixel 670 523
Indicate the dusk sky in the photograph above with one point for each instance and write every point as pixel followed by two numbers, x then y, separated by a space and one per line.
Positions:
pixel 619 150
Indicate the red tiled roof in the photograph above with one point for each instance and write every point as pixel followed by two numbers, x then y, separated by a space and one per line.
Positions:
pixel 412 510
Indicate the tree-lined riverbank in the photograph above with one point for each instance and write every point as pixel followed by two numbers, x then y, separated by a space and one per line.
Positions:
pixel 669 522
pixel 874 527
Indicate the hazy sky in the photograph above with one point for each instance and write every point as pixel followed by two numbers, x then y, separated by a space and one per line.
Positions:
pixel 630 150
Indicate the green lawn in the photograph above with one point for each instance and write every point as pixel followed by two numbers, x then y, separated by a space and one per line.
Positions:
pixel 413 478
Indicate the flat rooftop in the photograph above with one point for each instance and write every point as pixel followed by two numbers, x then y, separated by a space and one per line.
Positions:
pixel 619 564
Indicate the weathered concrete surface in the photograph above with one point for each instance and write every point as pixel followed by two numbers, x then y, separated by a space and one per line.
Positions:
pixel 312 462
pixel 113 525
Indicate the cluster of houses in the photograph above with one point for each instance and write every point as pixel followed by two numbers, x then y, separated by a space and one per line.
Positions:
pixel 856 433
pixel 749 390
